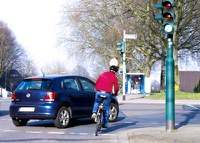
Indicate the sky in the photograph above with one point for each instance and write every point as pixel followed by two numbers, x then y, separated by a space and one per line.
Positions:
pixel 35 25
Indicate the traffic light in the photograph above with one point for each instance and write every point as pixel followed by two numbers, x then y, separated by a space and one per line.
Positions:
pixel 121 47
pixel 167 16
pixel 159 17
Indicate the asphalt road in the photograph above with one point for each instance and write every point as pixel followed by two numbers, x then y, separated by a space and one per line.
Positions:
pixel 132 116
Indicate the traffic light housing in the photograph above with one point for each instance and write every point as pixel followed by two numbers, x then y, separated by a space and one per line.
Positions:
pixel 159 17
pixel 121 47
pixel 167 16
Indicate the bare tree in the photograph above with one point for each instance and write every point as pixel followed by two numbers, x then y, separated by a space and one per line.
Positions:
pixel 80 70
pixel 56 68
pixel 98 25
pixel 187 31
pixel 28 67
pixel 12 55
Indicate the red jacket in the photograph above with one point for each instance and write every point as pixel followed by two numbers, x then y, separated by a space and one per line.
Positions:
pixel 106 82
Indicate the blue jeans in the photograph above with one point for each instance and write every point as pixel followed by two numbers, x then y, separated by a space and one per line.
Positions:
pixel 98 101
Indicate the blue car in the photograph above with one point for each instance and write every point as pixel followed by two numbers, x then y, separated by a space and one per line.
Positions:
pixel 58 97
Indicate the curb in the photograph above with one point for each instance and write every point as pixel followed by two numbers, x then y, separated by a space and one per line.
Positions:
pixel 139 99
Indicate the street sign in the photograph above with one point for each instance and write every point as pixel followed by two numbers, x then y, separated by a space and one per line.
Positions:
pixel 130 36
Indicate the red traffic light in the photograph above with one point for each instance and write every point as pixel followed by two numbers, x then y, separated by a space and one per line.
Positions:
pixel 167 5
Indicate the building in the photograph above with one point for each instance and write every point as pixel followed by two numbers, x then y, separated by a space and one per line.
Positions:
pixel 188 80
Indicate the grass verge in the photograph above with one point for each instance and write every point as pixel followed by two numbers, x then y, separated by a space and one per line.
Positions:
pixel 178 96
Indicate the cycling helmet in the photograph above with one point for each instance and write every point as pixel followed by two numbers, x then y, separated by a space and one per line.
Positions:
pixel 114 65
pixel 113 62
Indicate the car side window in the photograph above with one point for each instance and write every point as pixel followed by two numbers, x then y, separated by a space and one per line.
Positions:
pixel 87 85
pixel 69 84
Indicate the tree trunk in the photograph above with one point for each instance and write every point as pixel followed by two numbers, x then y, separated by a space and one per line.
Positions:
pixel 176 70
pixel 163 71
pixel 176 36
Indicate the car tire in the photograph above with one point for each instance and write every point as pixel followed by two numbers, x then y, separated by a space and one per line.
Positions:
pixel 114 111
pixel 63 118
pixel 19 122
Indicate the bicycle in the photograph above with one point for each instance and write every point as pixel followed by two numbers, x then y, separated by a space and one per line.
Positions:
pixel 100 116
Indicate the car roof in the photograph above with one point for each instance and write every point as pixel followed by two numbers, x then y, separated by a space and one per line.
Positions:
pixel 54 76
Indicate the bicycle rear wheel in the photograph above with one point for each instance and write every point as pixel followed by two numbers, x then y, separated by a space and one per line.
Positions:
pixel 99 122
pixel 98 128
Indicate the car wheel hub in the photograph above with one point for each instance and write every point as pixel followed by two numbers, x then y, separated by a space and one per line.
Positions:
pixel 64 117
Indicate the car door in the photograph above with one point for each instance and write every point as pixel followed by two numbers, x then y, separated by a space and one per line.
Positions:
pixel 89 92
pixel 72 91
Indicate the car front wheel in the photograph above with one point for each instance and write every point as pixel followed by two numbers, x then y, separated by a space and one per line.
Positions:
pixel 114 111
pixel 63 118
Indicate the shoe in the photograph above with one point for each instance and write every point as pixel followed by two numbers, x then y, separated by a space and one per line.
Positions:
pixel 94 115
pixel 104 126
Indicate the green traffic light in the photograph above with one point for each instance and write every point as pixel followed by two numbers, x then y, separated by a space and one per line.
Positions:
pixel 169 29
pixel 121 47
pixel 119 43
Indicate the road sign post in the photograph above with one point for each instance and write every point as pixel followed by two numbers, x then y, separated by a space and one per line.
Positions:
pixel 125 36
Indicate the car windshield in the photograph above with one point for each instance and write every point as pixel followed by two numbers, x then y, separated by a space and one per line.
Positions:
pixel 35 84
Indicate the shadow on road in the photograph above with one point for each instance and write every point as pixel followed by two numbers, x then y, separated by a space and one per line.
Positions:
pixel 4 113
pixel 192 113
pixel 74 123
pixel 118 126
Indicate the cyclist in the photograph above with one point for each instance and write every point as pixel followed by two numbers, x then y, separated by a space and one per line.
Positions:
pixel 107 85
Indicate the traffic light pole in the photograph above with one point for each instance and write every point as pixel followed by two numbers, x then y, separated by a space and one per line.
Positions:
pixel 124 69
pixel 122 48
pixel 170 100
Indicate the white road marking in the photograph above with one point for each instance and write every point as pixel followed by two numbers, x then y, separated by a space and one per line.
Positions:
pixel 8 130
pixel 33 132
pixel 72 133
pixel 58 133
pixel 83 133
pixel 108 134
pixel 192 106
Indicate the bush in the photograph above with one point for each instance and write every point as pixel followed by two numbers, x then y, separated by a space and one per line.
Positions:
pixel 197 88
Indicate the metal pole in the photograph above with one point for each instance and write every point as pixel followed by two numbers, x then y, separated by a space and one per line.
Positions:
pixel 170 101
pixel 124 67
pixel 5 79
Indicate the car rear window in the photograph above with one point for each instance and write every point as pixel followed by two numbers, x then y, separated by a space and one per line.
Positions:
pixel 35 84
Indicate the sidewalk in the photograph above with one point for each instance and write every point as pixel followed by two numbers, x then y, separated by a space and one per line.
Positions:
pixel 185 134
pixel 140 99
